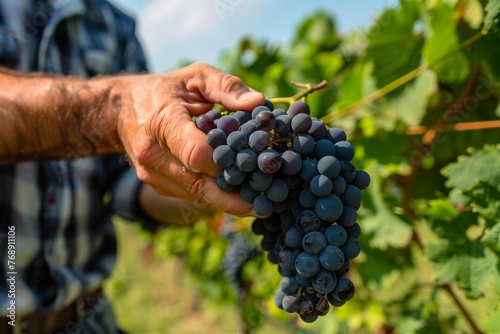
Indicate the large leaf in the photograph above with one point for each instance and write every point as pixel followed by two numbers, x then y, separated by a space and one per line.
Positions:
pixel 379 264
pixel 492 17
pixel 481 165
pixel 411 105
pixel 384 227
pixel 447 222
pixel 474 13
pixel 318 29
pixel 471 266
pixel 455 257
pixel 491 238
pixel 487 49
pixel 476 182
pixel 444 38
pixel 315 36
pixel 492 324
pixel 393 46
pixel 355 85
pixel 485 199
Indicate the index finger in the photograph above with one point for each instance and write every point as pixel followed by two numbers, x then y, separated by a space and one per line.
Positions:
pixel 180 135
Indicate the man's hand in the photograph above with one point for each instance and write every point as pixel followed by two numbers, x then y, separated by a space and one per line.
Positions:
pixel 168 151
pixel 150 116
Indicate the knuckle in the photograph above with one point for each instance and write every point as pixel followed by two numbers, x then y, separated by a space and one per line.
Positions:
pixel 192 157
pixel 144 175
pixel 197 188
pixel 143 153
pixel 229 82
pixel 157 128
pixel 199 67
pixel 200 64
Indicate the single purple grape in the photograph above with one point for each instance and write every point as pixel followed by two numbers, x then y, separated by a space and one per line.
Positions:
pixel 269 161
pixel 205 123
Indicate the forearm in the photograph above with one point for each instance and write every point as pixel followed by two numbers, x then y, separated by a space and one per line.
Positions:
pixel 53 117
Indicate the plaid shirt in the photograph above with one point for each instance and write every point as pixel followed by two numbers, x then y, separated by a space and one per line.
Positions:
pixel 65 241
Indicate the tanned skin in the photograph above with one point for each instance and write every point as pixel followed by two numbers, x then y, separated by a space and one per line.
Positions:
pixel 147 116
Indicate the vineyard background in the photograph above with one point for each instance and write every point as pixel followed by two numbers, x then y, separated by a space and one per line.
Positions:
pixel 417 93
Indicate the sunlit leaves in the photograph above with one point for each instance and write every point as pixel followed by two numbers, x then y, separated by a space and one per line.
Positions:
pixel 492 324
pixel 474 13
pixel 443 39
pixel 411 105
pixel 479 165
pixel 354 85
pixel 457 226
pixel 455 257
pixel 492 238
pixel 393 46
pixel 383 226
pixel 472 263
pixel 492 17
pixel 318 29
pixel 201 249
pixel 471 266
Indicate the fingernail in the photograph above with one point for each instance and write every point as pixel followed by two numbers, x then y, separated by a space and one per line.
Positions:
pixel 248 95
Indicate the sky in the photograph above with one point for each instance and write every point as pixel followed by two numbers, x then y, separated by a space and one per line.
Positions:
pixel 199 30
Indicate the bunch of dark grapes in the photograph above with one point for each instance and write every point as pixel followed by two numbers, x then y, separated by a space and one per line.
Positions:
pixel 297 172
pixel 239 252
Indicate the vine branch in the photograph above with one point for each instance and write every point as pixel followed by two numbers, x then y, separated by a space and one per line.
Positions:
pixel 400 81
pixel 466 126
pixel 300 95
pixel 448 288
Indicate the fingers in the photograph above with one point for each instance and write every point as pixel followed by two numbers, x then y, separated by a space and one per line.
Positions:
pixel 219 87
pixel 173 155
pixel 210 85
pixel 153 171
pixel 229 202
pixel 174 130
pixel 170 178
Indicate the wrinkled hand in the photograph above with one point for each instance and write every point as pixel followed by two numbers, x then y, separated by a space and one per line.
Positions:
pixel 162 141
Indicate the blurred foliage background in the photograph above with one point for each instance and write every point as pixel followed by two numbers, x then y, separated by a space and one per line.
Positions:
pixel 417 94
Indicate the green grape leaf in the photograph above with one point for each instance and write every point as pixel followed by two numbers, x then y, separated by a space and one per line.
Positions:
pixel 393 47
pixel 492 323
pixel 455 257
pixel 384 227
pixel 318 29
pixel 492 17
pixel 447 222
pixel 487 49
pixel 330 63
pixel 485 199
pixel 443 39
pixel 477 177
pixel 474 14
pixel 479 165
pixel 411 105
pixel 355 85
pixel 376 137
pixel 381 263
pixel 471 266
pixel 491 238
pixel 388 229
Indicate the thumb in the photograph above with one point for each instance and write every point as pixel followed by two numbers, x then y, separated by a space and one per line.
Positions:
pixel 227 89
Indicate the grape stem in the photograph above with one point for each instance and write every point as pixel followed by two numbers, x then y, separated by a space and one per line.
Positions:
pixel 300 95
